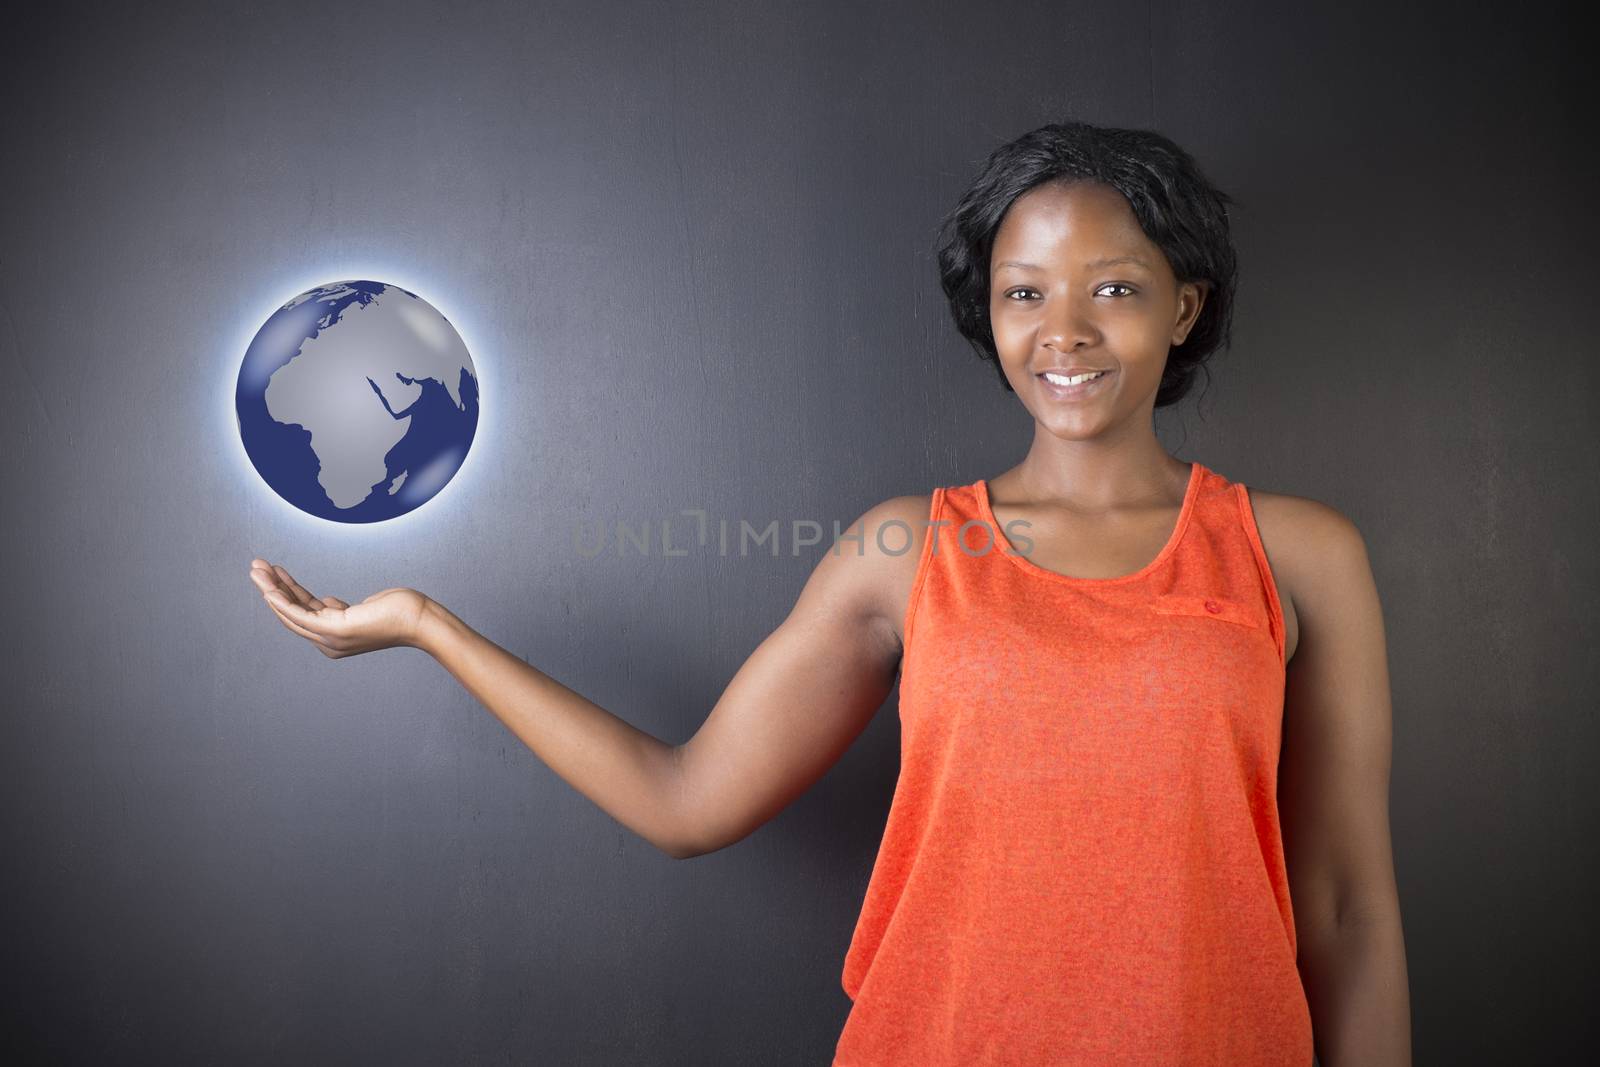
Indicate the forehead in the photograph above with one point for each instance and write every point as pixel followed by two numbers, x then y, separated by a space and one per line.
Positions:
pixel 1061 219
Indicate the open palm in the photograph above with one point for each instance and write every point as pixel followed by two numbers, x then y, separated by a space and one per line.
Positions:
pixel 387 619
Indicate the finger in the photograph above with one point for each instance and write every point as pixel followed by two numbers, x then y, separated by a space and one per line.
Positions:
pixel 300 592
pixel 315 638
pixel 328 625
pixel 266 579
pixel 263 577
pixel 334 602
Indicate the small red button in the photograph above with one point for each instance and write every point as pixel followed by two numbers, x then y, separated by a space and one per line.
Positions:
pixel 1213 607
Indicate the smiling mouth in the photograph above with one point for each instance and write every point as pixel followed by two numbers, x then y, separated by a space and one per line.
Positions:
pixel 1069 388
pixel 1083 378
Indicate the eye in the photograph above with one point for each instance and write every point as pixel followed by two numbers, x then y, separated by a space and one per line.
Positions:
pixel 1128 290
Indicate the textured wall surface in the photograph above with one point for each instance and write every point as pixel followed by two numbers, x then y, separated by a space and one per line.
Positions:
pixel 689 245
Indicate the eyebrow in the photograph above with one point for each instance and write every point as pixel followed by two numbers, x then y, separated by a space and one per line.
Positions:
pixel 1096 265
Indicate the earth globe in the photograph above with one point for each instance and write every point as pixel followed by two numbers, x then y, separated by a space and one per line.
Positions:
pixel 357 401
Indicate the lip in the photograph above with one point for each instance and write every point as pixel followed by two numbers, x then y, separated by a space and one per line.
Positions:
pixel 1073 392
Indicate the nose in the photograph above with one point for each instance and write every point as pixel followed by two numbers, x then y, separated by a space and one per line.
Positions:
pixel 1068 323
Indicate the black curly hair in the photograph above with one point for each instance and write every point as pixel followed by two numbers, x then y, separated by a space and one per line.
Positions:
pixel 1177 207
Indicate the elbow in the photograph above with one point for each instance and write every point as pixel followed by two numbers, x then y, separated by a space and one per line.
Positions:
pixel 701 828
pixel 690 846
pixel 684 844
pixel 687 848
pixel 683 852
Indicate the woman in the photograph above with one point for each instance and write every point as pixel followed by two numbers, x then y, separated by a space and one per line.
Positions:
pixel 1142 810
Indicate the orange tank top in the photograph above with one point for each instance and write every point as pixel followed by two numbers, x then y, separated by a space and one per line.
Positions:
pixel 1082 861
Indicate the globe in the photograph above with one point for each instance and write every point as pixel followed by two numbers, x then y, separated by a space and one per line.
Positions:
pixel 357 401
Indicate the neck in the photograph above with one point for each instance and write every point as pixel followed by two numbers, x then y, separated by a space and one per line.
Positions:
pixel 1097 475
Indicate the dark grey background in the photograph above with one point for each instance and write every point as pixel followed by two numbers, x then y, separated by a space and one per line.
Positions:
pixel 689 246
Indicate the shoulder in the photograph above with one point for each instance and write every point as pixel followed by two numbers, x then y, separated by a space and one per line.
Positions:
pixel 889 537
pixel 879 554
pixel 1317 554
pixel 867 570
pixel 912 511
pixel 1308 534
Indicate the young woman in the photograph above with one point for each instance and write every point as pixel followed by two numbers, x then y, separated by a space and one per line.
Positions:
pixel 1142 811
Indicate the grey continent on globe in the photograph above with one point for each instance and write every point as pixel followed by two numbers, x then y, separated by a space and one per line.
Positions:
pixel 357 401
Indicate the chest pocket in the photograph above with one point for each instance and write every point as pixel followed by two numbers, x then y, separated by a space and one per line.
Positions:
pixel 1210 607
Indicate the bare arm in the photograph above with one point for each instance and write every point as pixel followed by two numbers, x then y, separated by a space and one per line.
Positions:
pixel 1334 800
pixel 809 690
pixel 793 708
pixel 630 774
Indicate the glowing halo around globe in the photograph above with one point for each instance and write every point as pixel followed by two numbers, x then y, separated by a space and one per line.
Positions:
pixel 357 401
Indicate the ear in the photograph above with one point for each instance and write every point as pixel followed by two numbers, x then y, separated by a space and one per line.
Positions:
pixel 1197 292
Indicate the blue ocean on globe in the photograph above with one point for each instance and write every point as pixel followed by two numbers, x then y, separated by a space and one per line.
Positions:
pixel 357 401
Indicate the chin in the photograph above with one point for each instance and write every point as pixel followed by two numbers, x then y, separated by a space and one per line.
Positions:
pixel 1075 433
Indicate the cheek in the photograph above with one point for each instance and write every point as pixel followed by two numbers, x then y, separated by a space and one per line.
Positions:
pixel 1143 339
pixel 1008 332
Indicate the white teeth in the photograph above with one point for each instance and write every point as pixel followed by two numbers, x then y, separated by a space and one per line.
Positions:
pixel 1058 379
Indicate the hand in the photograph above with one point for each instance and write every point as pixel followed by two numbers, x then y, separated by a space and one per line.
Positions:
pixel 385 619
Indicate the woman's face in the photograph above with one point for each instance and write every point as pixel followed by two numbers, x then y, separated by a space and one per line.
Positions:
pixel 1074 283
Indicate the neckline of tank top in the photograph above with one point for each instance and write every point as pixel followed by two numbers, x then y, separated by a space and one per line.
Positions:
pixel 1027 566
